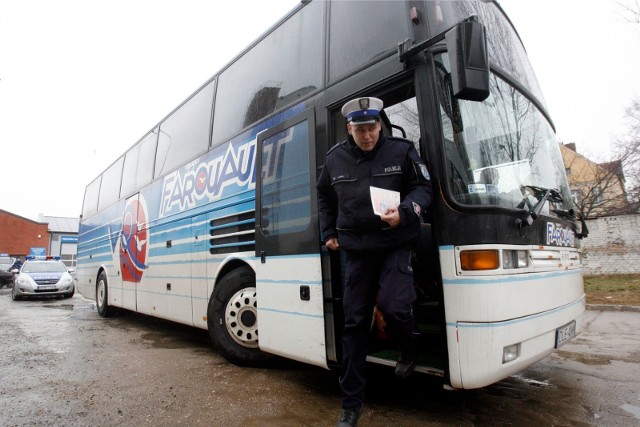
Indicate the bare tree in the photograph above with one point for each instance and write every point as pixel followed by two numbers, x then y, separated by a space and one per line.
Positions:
pixel 609 187
pixel 597 188
pixel 628 150
pixel 631 11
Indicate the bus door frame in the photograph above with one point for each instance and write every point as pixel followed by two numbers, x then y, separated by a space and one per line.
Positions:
pixel 288 268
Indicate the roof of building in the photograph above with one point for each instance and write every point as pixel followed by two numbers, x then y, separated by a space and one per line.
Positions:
pixel 58 224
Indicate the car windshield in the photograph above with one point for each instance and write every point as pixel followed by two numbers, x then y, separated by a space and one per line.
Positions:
pixel 44 267
pixel 5 266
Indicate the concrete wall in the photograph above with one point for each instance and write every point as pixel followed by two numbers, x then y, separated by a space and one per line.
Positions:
pixel 613 245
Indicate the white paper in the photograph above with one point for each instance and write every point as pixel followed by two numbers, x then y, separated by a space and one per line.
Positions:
pixel 382 199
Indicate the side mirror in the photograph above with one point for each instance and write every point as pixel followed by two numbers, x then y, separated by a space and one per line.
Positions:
pixel 15 271
pixel 467 45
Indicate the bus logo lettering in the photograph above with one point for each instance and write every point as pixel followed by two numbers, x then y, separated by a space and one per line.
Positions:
pixel 185 187
pixel 559 235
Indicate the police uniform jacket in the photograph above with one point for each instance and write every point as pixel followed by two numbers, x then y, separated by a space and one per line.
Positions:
pixel 344 198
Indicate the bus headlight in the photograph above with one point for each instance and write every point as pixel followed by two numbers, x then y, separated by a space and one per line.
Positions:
pixel 515 259
pixel 510 353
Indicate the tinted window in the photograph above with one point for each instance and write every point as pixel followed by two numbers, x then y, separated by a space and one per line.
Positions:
pixel 185 133
pixel 286 201
pixel 146 159
pixel 138 164
pixel 505 49
pixel 90 205
pixel 282 68
pixel 354 41
pixel 130 170
pixel 110 188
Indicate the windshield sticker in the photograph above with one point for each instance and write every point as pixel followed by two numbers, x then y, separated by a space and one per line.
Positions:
pixel 559 235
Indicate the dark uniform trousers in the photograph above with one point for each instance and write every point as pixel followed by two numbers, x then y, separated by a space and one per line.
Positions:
pixel 388 276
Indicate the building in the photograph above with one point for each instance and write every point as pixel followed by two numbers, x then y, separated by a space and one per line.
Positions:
pixel 63 238
pixel 597 189
pixel 21 236
pixel 55 236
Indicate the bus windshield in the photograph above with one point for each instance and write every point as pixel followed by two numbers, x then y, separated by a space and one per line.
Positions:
pixel 497 150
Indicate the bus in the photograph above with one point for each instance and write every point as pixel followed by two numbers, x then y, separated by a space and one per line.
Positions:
pixel 210 219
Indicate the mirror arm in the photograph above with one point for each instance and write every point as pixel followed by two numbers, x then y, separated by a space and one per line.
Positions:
pixel 405 51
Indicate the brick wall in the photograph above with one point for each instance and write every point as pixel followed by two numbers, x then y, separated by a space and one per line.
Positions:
pixel 613 245
pixel 18 235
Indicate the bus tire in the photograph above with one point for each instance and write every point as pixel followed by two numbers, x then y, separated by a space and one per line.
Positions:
pixel 102 296
pixel 232 318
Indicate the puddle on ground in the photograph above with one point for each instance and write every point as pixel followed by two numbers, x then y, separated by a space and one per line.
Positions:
pixel 633 410
pixel 59 306
pixel 587 359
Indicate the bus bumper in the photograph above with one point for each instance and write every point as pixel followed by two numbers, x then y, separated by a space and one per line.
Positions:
pixel 477 349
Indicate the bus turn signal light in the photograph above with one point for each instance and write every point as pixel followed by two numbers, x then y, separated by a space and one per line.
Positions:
pixel 479 260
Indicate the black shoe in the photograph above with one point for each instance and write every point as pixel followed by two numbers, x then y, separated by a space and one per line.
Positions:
pixel 406 364
pixel 349 417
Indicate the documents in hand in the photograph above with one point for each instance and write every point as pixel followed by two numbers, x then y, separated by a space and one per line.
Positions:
pixel 382 199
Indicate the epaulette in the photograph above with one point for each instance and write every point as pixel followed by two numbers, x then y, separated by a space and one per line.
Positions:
pixel 399 139
pixel 336 146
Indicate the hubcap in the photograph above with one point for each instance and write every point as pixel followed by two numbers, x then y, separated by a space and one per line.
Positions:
pixel 100 296
pixel 241 317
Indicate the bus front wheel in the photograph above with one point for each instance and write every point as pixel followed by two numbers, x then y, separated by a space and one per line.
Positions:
pixel 102 296
pixel 232 318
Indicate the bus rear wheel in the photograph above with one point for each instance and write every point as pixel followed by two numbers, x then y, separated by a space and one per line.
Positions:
pixel 102 296
pixel 232 318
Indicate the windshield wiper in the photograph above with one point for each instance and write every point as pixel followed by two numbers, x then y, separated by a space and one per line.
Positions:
pixel 540 193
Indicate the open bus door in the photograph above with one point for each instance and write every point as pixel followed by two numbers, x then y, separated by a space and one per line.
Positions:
pixel 288 270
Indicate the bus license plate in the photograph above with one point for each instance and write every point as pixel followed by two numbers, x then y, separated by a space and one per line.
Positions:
pixel 565 333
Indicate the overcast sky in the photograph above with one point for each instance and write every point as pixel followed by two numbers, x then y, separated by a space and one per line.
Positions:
pixel 82 80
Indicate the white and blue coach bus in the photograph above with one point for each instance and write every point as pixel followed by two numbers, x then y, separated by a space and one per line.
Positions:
pixel 210 219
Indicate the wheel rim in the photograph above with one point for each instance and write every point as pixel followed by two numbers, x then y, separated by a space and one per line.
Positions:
pixel 100 294
pixel 241 317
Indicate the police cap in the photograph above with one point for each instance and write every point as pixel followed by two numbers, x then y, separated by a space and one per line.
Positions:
pixel 362 111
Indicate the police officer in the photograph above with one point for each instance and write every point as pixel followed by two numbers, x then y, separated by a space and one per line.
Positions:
pixel 378 246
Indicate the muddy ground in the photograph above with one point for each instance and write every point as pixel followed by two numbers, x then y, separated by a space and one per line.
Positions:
pixel 62 364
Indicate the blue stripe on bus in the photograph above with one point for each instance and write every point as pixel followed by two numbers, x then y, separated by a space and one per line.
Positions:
pixel 290 313
pixel 501 323
pixel 289 282
pixel 143 291
pixel 102 258
pixel 492 280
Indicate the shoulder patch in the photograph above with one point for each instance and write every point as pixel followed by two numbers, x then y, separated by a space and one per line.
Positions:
pixel 424 171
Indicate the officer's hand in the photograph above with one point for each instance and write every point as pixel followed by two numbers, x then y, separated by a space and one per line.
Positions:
pixel 333 244
pixel 391 217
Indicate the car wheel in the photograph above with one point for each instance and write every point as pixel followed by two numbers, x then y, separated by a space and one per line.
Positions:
pixel 102 296
pixel 14 296
pixel 70 294
pixel 232 318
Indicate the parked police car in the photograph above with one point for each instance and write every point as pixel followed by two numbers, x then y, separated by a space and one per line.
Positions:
pixel 43 276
